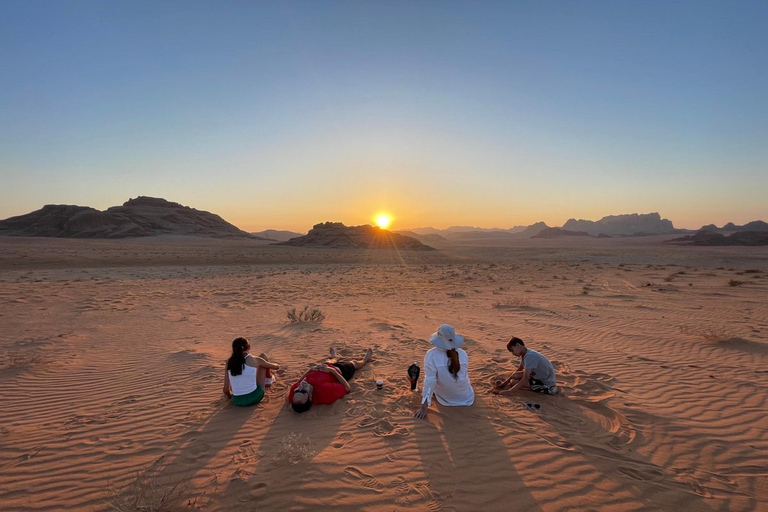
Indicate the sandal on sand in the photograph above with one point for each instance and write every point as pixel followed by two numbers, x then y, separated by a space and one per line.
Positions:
pixel 268 381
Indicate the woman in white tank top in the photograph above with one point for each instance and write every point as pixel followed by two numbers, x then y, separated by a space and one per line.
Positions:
pixel 245 376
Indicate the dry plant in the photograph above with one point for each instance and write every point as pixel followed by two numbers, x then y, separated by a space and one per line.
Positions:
pixel 710 335
pixel 21 359
pixel 456 295
pixel 306 315
pixel 734 282
pixel 512 302
pixel 150 492
pixel 294 449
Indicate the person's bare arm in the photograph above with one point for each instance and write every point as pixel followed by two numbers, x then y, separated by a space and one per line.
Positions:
pixel 519 368
pixel 338 376
pixel 227 387
pixel 522 383
pixel 260 361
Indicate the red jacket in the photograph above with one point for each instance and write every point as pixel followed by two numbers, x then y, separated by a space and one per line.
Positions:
pixel 327 388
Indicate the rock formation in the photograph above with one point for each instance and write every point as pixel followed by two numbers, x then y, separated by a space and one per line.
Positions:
pixel 337 235
pixel 738 238
pixel 755 225
pixel 623 225
pixel 277 235
pixel 143 216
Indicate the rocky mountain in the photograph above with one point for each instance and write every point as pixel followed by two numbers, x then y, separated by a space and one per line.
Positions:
pixel 433 238
pixel 558 232
pixel 473 233
pixel 143 216
pixel 337 235
pixel 460 231
pixel 633 224
pixel 752 238
pixel 755 225
pixel 277 235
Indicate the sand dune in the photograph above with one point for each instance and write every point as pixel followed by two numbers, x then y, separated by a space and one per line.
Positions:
pixel 112 358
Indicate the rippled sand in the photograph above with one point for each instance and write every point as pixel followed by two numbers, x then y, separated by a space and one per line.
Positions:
pixel 111 365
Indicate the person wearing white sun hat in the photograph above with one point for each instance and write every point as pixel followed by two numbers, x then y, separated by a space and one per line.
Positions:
pixel 445 372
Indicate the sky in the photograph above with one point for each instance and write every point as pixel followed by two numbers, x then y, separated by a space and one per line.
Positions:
pixel 285 114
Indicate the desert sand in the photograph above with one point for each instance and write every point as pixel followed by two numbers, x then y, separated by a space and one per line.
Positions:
pixel 112 357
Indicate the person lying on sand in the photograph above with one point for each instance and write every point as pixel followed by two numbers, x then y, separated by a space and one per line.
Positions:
pixel 325 383
pixel 445 372
pixel 535 372
pixel 245 376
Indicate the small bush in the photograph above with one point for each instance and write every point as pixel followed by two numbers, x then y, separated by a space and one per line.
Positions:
pixel 734 282
pixel 710 335
pixel 148 493
pixel 306 315
pixel 456 295
pixel 515 302
pixel 294 449
pixel 21 360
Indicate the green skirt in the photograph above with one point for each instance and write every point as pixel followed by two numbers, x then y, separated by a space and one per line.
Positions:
pixel 251 398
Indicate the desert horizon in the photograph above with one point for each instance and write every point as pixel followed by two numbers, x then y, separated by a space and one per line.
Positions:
pixel 229 229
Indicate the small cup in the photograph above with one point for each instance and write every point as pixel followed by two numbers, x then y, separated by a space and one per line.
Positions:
pixel 379 384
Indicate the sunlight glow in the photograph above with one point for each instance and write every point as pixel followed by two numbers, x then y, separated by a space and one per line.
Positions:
pixel 383 220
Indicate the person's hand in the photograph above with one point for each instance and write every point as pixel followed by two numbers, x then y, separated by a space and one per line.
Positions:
pixel 422 412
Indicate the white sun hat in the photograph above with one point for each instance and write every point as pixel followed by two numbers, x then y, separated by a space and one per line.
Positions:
pixel 446 338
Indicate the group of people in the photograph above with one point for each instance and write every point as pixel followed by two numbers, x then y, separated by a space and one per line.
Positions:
pixel 446 375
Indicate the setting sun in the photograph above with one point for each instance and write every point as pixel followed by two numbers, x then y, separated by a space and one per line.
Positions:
pixel 383 220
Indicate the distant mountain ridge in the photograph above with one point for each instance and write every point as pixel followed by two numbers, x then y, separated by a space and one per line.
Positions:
pixel 634 224
pixel 337 235
pixel 623 225
pixel 140 217
pixel 277 235
pixel 708 238
pixel 755 225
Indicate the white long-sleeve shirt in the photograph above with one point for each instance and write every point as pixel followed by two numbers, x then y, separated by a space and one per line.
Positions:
pixel 438 380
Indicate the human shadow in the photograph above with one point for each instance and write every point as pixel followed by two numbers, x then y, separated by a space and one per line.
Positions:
pixel 286 458
pixel 608 441
pixel 466 463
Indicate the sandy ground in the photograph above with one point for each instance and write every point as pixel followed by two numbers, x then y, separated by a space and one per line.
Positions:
pixel 112 352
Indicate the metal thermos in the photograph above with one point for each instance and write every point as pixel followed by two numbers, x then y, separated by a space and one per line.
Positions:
pixel 413 375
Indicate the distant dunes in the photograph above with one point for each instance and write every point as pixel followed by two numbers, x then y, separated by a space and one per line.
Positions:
pixel 140 217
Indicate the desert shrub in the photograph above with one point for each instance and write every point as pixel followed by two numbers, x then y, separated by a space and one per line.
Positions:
pixel 512 302
pixel 456 295
pixel 294 449
pixel 20 359
pixel 710 335
pixel 150 492
pixel 305 315
pixel 734 282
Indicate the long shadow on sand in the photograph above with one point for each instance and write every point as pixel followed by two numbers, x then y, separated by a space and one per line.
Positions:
pixel 286 463
pixel 607 440
pixel 467 463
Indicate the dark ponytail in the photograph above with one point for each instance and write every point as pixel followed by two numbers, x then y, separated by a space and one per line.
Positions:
pixel 453 364
pixel 236 361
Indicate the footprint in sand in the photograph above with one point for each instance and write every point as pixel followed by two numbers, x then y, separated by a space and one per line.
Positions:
pixel 342 440
pixel 366 480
